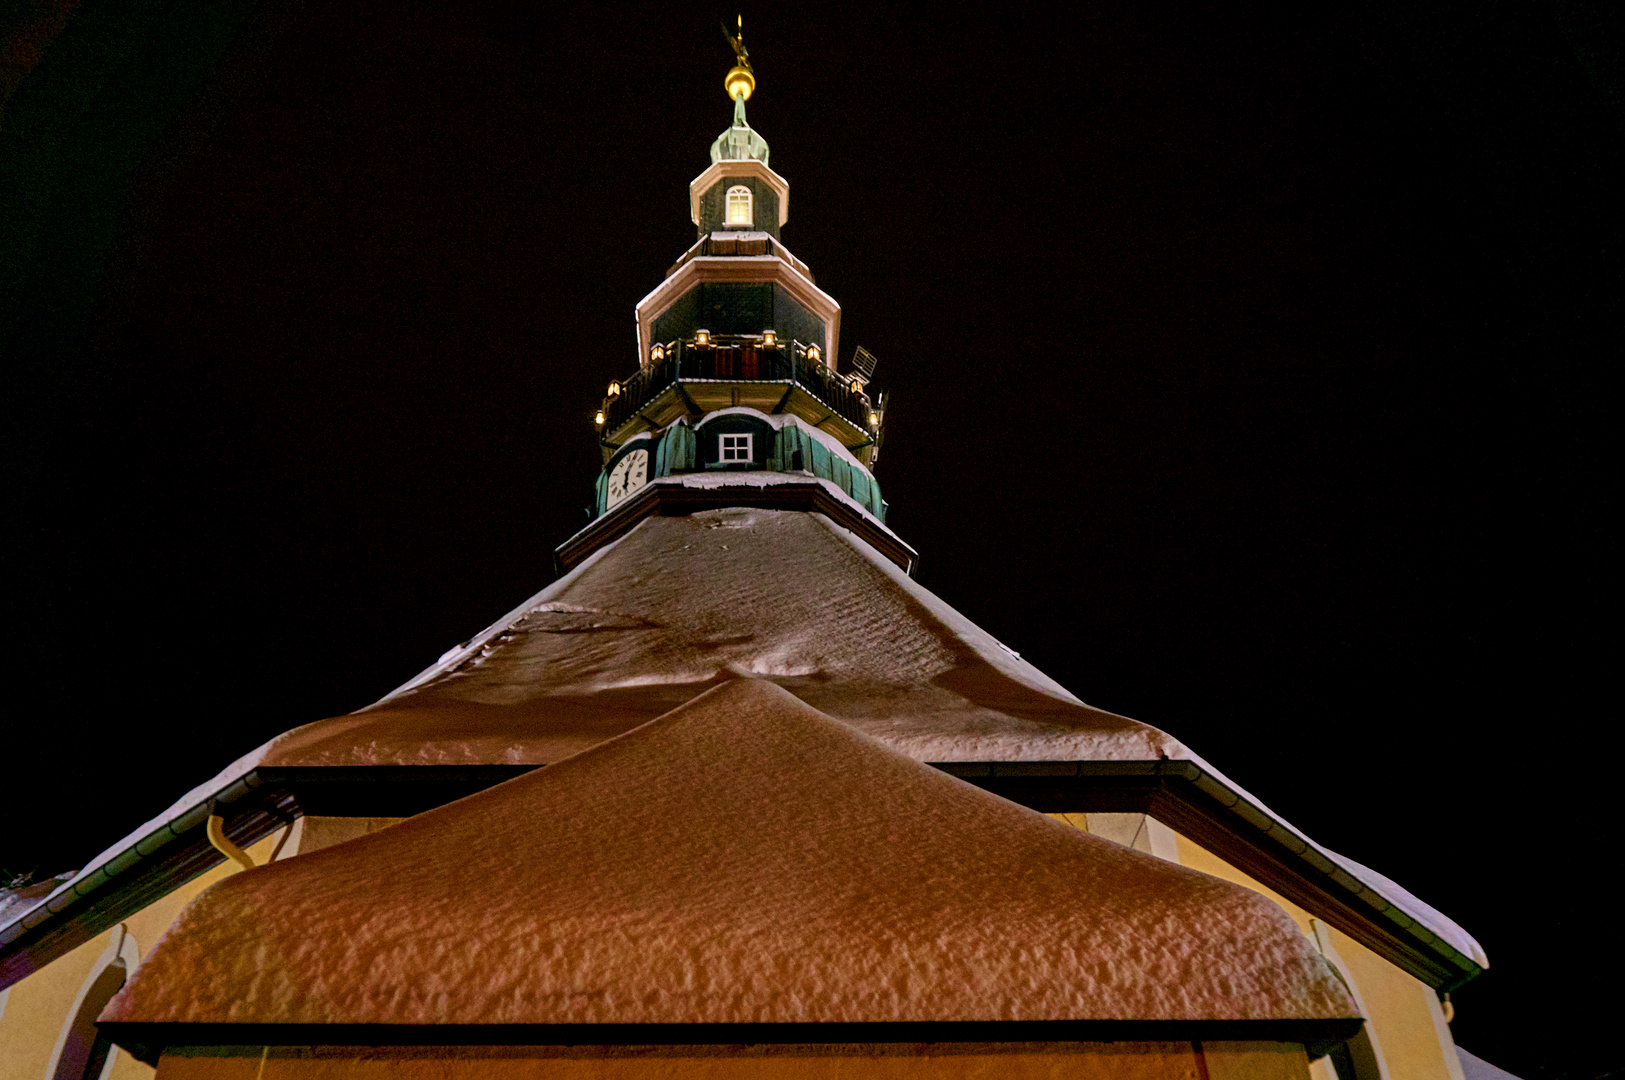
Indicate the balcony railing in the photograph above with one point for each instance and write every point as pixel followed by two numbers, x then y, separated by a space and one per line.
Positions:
pixel 737 361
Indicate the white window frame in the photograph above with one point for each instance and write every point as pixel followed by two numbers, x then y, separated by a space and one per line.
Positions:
pixel 731 445
pixel 748 202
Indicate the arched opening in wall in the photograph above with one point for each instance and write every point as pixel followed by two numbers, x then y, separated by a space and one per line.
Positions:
pixel 85 1050
pixel 739 212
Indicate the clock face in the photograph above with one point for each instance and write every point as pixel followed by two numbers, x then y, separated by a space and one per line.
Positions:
pixel 629 474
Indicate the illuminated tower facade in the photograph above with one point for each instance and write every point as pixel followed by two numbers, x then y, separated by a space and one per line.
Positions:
pixel 737 371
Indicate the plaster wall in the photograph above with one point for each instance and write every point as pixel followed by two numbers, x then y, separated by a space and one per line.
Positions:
pixel 1403 1016
pixel 1057 1061
pixel 38 1008
pixel 1403 1012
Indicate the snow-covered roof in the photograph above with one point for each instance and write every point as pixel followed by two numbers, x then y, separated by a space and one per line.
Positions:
pixel 743 859
pixel 682 603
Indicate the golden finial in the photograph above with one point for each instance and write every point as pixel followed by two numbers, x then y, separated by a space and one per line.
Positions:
pixel 740 80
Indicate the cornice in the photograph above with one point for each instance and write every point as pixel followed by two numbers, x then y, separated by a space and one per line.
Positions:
pixel 762 269
pixel 747 167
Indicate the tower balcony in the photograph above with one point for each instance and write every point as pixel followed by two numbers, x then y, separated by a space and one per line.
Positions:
pixel 710 372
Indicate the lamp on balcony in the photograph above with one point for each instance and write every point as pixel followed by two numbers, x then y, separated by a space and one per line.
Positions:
pixel 702 337
pixel 599 418
pixel 814 353
pixel 614 389
pixel 657 352
pixel 770 339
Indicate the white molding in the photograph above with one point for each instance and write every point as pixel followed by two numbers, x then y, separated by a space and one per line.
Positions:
pixel 121 947
pixel 1447 1040
pixel 1163 841
pixel 1322 937
pixel 748 167
pixel 742 269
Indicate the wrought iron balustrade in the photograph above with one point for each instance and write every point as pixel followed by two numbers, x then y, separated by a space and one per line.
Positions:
pixel 724 361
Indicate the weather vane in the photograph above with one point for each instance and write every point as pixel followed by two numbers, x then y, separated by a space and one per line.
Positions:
pixel 737 40
pixel 740 80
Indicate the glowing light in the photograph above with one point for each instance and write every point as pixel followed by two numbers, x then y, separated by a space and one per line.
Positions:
pixel 614 389
pixel 770 338
pixel 874 419
pixel 739 205
pixel 657 353
pixel 599 418
pixel 814 353
pixel 702 337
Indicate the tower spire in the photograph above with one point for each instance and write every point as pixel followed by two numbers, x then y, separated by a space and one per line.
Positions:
pixel 739 142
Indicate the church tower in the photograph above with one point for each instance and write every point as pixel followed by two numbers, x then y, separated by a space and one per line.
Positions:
pixel 737 370
pixel 773 809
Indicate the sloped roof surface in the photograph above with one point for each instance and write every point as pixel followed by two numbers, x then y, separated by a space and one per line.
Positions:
pixel 743 859
pixel 682 603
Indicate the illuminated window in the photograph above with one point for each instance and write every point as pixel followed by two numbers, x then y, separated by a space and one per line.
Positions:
pixel 739 206
pixel 735 447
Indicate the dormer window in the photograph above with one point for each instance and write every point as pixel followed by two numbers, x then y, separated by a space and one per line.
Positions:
pixel 734 447
pixel 739 212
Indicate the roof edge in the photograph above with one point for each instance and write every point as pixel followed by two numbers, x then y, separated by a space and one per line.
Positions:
pixel 147 1041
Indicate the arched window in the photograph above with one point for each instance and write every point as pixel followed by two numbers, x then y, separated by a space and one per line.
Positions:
pixel 85 1049
pixel 82 1051
pixel 739 206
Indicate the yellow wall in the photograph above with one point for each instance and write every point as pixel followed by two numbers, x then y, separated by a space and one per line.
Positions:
pixel 38 1008
pixel 1403 1015
pixel 1054 1061
pixel 1403 1012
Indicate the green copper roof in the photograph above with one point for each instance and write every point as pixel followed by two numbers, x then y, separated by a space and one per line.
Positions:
pixel 739 142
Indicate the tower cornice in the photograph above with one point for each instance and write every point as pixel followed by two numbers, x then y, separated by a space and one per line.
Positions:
pixel 762 269
pixel 741 167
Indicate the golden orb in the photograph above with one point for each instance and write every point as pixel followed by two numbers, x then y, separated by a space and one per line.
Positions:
pixel 739 82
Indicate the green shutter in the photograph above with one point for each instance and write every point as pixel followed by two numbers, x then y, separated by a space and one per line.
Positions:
pixel 820 458
pixel 841 473
pixel 677 449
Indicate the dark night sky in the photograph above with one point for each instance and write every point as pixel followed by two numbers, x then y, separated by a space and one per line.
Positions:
pixel 1252 376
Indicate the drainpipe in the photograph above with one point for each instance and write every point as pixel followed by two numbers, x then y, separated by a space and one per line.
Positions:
pixel 217 836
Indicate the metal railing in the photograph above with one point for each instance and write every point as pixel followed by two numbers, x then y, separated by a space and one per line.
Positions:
pixel 734 361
